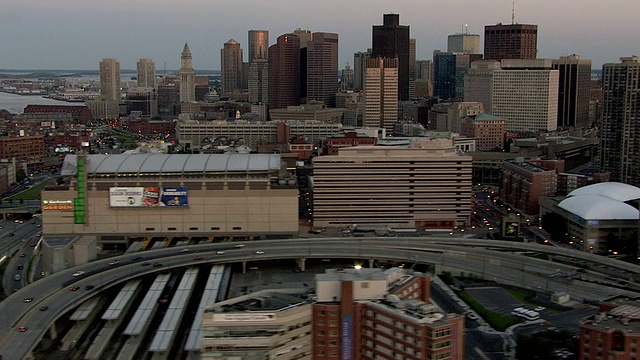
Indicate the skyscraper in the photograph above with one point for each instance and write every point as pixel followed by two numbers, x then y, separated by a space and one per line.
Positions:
pixel 464 43
pixel 391 40
pixel 284 72
pixel 620 129
pixel 146 72
pixel 381 93
pixel 511 41
pixel 187 84
pixel 359 66
pixel 444 75
pixel 231 66
pixel 412 68
pixel 259 81
pixel 322 68
pixel 574 91
pixel 258 45
pixel 110 80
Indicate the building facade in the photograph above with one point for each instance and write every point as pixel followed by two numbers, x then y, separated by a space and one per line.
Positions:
pixel 487 130
pixel 620 132
pixel 146 72
pixel 258 45
pixel 478 82
pixel 359 68
pixel 391 40
pixel 381 93
pixel 322 68
pixel 574 91
pixel 427 185
pixel 231 67
pixel 259 81
pixel 510 41
pixel 284 72
pixel 523 183
pixel 464 43
pixel 110 80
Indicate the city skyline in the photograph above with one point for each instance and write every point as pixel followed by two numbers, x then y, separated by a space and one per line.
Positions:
pixel 47 36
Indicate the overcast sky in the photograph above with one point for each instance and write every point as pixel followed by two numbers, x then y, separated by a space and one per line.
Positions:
pixel 77 34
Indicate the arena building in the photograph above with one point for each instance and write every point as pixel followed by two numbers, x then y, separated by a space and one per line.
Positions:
pixel 599 217
pixel 116 198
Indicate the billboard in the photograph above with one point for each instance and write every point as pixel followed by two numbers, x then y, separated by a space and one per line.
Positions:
pixel 152 196
pixel 347 337
pixel 511 229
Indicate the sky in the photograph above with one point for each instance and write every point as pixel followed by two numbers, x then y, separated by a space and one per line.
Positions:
pixel 77 34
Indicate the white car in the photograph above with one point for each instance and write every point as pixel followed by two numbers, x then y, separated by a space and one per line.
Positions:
pixel 239 246
pixel 78 273
pixel 220 252
pixel 114 263
pixel 259 252
pixel 473 316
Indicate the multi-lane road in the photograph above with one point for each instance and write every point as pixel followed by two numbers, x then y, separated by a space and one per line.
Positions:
pixel 501 261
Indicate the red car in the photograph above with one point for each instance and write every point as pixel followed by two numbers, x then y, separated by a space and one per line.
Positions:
pixel 74 288
pixel 22 329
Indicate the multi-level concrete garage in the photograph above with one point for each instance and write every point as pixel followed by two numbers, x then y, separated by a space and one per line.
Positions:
pixel 114 198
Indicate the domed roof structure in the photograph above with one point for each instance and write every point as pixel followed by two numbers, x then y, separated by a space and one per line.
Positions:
pixel 615 190
pixel 598 207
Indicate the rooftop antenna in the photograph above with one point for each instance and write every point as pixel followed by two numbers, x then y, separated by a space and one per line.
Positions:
pixel 466 29
pixel 513 13
pixel 165 69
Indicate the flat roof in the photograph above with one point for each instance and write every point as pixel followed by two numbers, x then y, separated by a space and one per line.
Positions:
pixel 171 163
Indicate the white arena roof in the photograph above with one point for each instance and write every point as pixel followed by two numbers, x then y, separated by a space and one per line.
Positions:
pixel 615 190
pixel 598 207
pixel 172 163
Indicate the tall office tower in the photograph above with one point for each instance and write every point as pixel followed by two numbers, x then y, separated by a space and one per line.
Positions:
pixel 511 41
pixel 381 93
pixel 258 45
pixel 359 66
pixel 304 35
pixel 424 69
pixel 463 64
pixel 284 72
pixel 412 68
pixel 391 40
pixel 574 92
pixel 322 68
pixel 464 43
pixel 187 83
pixel 444 75
pixel 525 94
pixel 259 81
pixel 146 73
pixel 231 66
pixel 479 81
pixel 110 80
pixel 346 79
pixel 620 129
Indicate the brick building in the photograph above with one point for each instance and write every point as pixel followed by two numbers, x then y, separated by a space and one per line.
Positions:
pixel 27 149
pixel 79 113
pixel 487 130
pixel 612 333
pixel 523 182
pixel 348 139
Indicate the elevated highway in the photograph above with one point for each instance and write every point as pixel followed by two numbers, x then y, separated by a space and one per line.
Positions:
pixel 496 260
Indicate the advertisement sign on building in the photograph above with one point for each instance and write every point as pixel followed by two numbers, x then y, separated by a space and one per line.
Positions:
pixel 511 229
pixel 57 205
pixel 148 196
pixel 346 334
pixel 244 317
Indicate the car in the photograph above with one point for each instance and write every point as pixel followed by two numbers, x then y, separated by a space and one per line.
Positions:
pixel 21 222
pixel 1 227
pixel 157 265
pixel 114 263
pixel 39 234
pixel 145 264
pixel 89 287
pixel 259 252
pixel 19 267
pixel 16 221
pixel 198 258
pixel 220 252
pixel 78 273
pixel 11 234
pixel 33 222
pixel 74 288
pixel 473 316
pixel 239 246
pixel 22 255
pixel 33 245
pixel 28 300
pixel 22 329
pixel 540 308
pixel 44 308
pixel 184 250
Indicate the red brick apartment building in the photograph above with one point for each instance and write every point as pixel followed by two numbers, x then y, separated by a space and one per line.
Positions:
pixel 353 318
pixel 613 333
pixel 79 113
pixel 29 149
pixel 488 130
pixel 523 182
